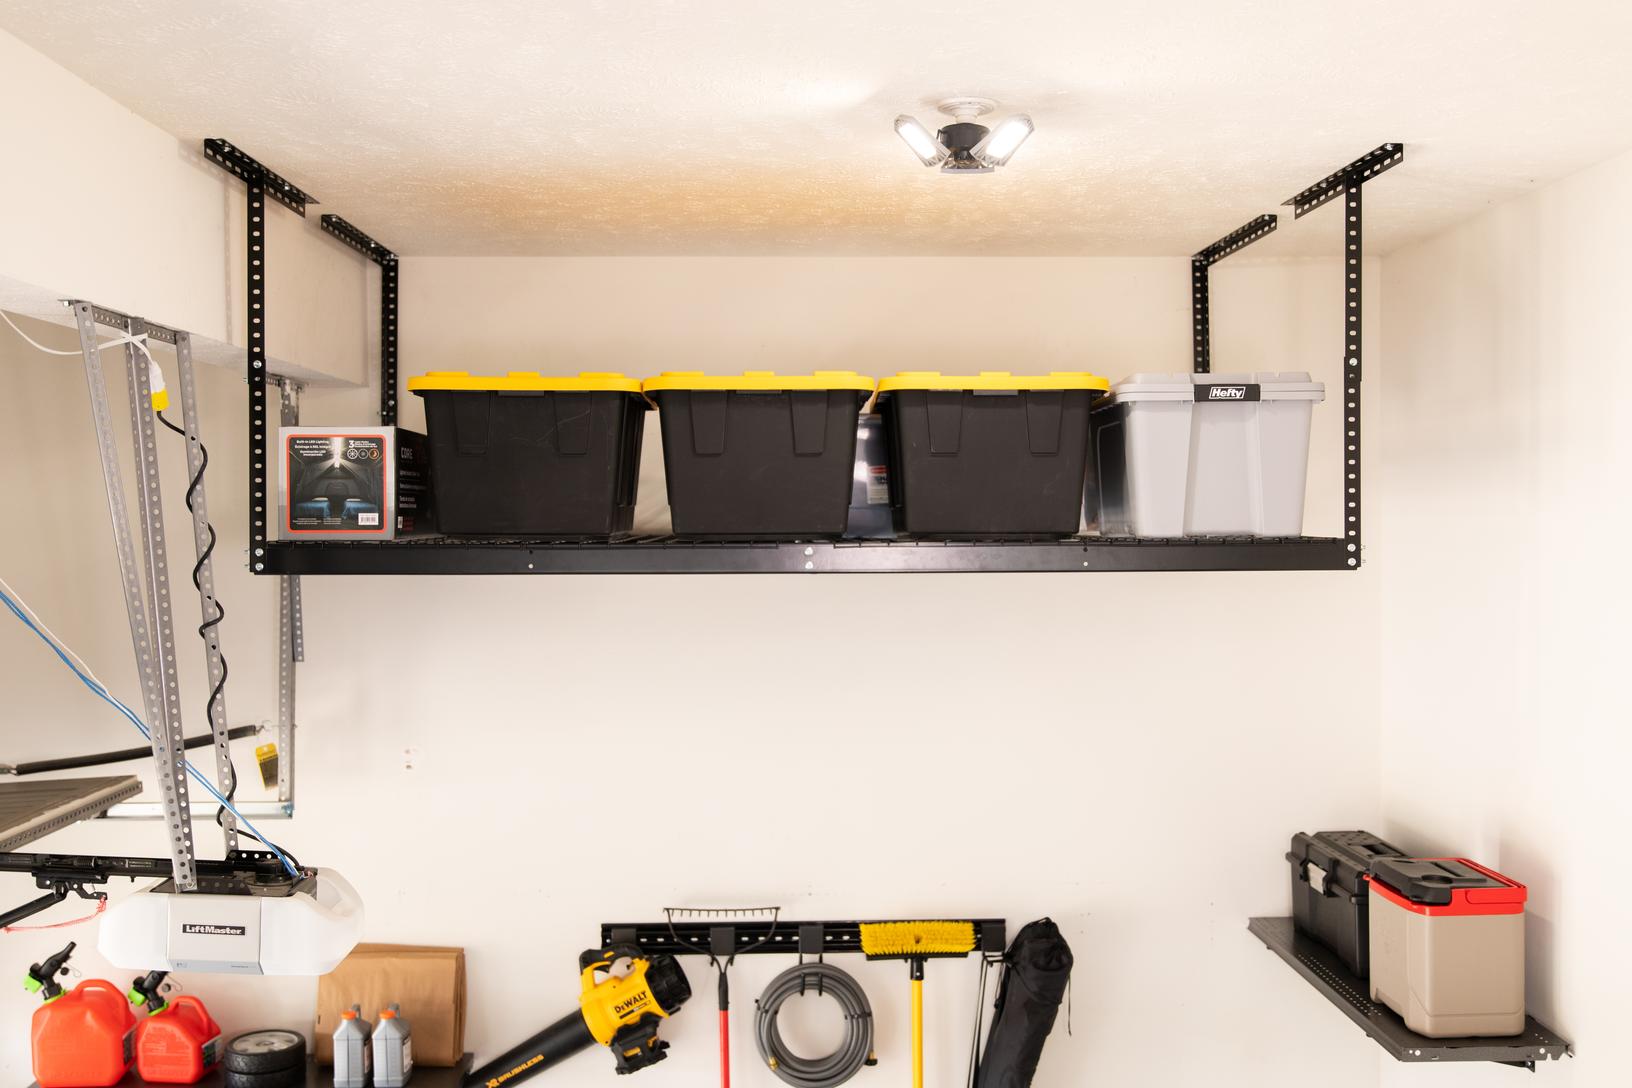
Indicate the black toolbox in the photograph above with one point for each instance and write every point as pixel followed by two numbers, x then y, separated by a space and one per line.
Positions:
pixel 988 455
pixel 759 455
pixel 1330 897
pixel 526 454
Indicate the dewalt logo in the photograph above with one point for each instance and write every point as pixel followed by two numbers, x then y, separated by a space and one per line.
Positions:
pixel 630 1004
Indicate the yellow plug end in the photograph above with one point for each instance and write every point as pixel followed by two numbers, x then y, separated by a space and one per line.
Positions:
pixel 161 399
pixel 266 757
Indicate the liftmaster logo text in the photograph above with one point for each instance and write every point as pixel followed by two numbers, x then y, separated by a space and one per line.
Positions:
pixel 1227 392
pixel 212 931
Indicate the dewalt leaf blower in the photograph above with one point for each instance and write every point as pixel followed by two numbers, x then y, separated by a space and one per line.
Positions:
pixel 622 1012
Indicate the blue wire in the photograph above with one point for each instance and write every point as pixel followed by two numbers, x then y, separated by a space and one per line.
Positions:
pixel 102 693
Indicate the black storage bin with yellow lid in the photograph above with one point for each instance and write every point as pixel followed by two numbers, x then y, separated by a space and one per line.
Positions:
pixel 527 454
pixel 988 455
pixel 759 455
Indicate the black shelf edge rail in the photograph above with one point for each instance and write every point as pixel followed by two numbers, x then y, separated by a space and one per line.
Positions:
pixel 337 227
pixel 260 182
pixel 1349 181
pixel 1200 306
pixel 670 555
pixel 763 938
pixel 1333 980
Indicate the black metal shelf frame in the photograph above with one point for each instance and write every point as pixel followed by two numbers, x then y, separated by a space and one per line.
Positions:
pixel 336 227
pixel 1333 980
pixel 667 555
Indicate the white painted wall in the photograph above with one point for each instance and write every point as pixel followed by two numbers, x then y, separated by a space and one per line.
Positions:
pixel 1501 523
pixel 96 203
pixel 1125 753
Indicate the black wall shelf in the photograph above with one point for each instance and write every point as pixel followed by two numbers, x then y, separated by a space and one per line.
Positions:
pixel 1335 982
pixel 670 555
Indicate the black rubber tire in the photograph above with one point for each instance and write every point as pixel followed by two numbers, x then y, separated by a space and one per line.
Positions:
pixel 292 1077
pixel 260 1053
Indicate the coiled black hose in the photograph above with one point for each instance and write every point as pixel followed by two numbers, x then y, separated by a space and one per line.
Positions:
pixel 854 1052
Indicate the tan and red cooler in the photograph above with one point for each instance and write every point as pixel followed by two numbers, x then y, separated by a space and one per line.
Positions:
pixel 1447 946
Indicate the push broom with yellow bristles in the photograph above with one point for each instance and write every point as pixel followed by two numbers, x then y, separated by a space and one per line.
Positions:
pixel 916 942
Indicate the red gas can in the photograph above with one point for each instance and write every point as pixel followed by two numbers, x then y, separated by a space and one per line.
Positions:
pixel 83 1039
pixel 178 1044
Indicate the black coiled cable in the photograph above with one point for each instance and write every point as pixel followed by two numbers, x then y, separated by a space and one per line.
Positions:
pixel 854 1052
pixel 213 621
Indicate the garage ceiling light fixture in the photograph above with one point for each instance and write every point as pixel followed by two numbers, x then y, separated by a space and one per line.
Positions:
pixel 965 147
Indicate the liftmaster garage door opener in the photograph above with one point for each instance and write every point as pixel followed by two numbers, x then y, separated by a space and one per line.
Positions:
pixel 249 916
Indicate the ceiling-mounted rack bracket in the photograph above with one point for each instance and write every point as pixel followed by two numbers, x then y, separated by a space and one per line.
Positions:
pixel 1200 321
pixel 337 227
pixel 260 183
pixel 1357 173
pixel 231 159
pixel 1348 183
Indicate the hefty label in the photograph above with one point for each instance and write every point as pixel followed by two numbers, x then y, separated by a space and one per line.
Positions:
pixel 1227 393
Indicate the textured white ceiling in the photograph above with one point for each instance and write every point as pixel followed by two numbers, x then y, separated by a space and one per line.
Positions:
pixel 764 126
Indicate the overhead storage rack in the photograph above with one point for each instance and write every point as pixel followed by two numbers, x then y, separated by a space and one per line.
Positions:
pixel 671 555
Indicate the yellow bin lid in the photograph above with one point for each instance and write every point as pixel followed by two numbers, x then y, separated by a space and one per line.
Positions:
pixel 996 381
pixel 523 381
pixel 759 380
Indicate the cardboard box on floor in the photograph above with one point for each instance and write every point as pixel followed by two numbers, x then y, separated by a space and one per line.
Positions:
pixel 428 983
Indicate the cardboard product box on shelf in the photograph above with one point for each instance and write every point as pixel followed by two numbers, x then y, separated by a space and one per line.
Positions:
pixel 428 984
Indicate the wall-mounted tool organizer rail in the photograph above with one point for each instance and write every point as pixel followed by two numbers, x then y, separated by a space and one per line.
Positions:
pixel 727 937
pixel 1333 980
pixel 668 555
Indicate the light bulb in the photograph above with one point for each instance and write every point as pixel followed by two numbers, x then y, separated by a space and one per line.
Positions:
pixel 926 147
pixel 1000 145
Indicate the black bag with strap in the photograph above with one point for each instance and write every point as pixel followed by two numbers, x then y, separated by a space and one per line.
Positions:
pixel 1036 972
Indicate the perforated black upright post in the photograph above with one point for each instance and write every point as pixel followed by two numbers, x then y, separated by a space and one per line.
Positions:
pixel 337 227
pixel 1348 182
pixel 261 183
pixel 255 374
pixel 1200 320
pixel 1352 253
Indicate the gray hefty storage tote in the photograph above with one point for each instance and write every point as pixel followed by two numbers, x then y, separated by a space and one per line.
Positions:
pixel 1447 946
pixel 1203 455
